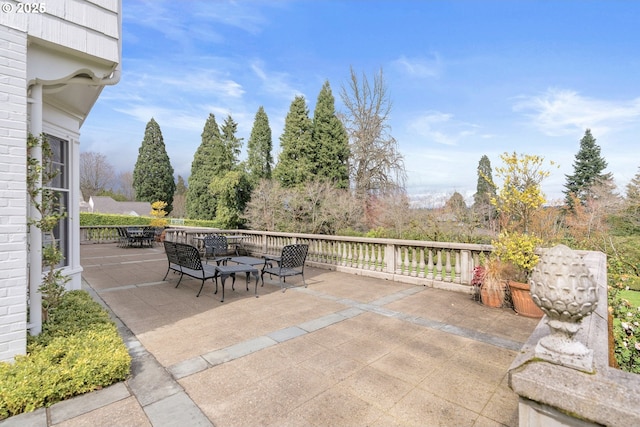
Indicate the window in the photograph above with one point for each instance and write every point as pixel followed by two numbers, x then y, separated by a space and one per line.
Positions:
pixel 60 185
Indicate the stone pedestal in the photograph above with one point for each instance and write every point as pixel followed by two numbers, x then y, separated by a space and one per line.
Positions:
pixel 563 288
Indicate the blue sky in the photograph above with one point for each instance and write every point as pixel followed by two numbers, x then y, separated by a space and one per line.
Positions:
pixel 466 79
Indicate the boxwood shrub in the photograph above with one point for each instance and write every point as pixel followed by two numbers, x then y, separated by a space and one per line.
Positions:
pixel 79 350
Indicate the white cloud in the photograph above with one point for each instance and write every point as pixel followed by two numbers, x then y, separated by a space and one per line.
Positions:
pixel 420 67
pixel 274 83
pixel 564 112
pixel 441 128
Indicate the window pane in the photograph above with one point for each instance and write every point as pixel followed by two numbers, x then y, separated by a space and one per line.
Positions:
pixel 60 184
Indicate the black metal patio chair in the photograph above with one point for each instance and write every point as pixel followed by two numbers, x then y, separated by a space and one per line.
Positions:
pixel 216 248
pixel 289 263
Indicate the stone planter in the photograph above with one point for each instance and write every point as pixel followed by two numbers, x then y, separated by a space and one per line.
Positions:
pixel 522 302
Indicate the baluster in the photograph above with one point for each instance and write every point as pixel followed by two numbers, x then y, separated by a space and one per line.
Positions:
pixel 414 262
pixel 406 264
pixel 430 274
pixel 353 256
pixel 458 278
pixel 374 257
pixel 447 275
pixel 421 273
pixel 438 264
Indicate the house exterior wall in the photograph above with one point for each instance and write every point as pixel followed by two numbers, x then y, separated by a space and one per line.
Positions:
pixel 53 66
pixel 13 200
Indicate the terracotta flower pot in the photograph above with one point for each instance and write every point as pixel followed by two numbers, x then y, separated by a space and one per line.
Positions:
pixel 491 297
pixel 522 302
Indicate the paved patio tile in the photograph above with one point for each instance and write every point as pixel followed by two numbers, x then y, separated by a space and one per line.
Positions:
pixel 346 351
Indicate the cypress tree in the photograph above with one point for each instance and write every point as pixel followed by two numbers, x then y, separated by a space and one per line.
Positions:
pixel 587 170
pixel 294 162
pixel 329 142
pixel 153 174
pixel 485 190
pixel 200 204
pixel 259 157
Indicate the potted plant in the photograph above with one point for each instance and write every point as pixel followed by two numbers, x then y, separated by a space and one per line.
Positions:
pixel 517 201
pixel 492 286
pixel 518 251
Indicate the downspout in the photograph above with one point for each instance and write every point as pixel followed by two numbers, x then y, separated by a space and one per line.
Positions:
pixel 35 235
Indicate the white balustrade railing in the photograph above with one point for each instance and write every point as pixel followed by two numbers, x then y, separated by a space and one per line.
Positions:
pixel 439 264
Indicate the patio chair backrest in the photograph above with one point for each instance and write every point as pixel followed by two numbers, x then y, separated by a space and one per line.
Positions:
pixel 172 252
pixel 215 245
pixel 149 232
pixel 293 256
pixel 189 256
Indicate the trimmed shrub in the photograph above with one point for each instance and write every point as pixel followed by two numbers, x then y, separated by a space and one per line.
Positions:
pixel 78 351
pixel 94 219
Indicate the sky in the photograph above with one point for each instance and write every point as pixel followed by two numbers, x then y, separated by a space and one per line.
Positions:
pixel 465 79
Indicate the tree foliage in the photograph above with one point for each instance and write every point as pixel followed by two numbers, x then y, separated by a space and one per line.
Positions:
pixel 588 170
pixel 259 147
pixel 295 165
pixel 229 150
pixel 376 164
pixel 96 174
pixel 520 194
pixel 485 192
pixel 181 187
pixel 312 207
pixel 153 174
pixel 232 192
pixel 200 204
pixel 329 142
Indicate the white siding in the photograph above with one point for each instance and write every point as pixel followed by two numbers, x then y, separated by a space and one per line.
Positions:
pixel 13 199
pixel 87 26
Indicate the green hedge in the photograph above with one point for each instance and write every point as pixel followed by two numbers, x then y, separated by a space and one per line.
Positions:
pixel 93 219
pixel 78 351
pixel 89 219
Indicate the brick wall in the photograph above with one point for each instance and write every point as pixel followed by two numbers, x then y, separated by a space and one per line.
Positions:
pixel 13 197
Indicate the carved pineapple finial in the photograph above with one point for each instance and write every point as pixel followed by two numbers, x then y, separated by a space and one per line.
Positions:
pixel 563 287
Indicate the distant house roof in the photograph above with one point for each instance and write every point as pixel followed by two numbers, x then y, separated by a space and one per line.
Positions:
pixel 106 205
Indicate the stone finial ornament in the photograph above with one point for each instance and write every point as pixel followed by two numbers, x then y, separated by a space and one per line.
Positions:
pixel 563 287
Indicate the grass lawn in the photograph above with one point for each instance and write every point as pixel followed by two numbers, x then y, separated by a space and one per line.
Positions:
pixel 632 296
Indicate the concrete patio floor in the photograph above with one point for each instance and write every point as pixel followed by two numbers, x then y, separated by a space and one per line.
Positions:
pixel 346 351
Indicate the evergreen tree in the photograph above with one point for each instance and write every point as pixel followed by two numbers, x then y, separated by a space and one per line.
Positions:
pixel 329 142
pixel 485 191
pixel 259 157
pixel 294 162
pixel 633 190
pixel 153 174
pixel 181 187
pixel 230 147
pixel 200 204
pixel 587 171
pixel 232 192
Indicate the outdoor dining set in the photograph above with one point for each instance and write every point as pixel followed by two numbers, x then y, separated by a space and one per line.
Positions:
pixel 137 236
pixel 185 259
